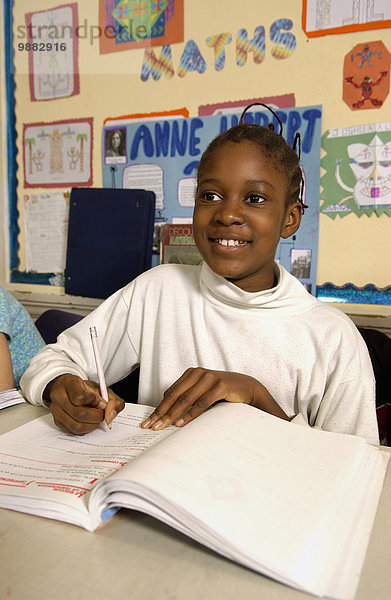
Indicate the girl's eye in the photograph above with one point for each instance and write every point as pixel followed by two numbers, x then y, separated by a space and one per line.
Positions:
pixel 255 199
pixel 210 196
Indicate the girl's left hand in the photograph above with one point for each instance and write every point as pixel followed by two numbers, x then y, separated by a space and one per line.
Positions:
pixel 198 389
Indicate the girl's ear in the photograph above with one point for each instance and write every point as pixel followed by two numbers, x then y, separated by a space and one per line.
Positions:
pixel 292 220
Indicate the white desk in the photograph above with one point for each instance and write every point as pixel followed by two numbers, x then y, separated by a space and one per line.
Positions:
pixel 134 557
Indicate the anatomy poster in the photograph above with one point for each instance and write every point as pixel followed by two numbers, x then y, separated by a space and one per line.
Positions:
pixel 58 154
pixel 163 156
pixel 358 170
pixel 53 54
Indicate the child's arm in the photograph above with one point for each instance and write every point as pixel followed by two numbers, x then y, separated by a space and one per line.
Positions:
pixel 199 388
pixel 77 406
pixel 6 372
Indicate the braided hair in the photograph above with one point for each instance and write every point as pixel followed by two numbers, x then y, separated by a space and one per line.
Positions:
pixel 272 145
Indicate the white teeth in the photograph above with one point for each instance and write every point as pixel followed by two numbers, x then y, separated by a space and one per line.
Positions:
pixel 223 242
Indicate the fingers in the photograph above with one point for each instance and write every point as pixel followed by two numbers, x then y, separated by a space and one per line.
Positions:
pixel 187 398
pixel 113 407
pixel 77 422
pixel 77 406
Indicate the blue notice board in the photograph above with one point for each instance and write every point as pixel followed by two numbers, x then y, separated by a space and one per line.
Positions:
pixel 163 156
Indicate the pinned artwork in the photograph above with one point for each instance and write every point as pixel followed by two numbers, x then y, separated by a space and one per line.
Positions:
pixel 45 230
pixel 366 80
pixel 358 170
pixel 129 24
pixel 53 56
pixel 325 17
pixel 58 154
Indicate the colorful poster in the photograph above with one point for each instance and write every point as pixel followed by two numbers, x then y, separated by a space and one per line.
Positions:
pixel 325 17
pixel 129 24
pixel 58 154
pixel 358 171
pixel 163 156
pixel 53 52
pixel 366 76
pixel 177 244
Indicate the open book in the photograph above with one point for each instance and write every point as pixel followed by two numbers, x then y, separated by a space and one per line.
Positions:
pixel 293 503
pixel 10 397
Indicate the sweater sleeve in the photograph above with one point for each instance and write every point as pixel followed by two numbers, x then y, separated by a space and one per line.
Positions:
pixel 352 412
pixel 73 353
pixel 348 404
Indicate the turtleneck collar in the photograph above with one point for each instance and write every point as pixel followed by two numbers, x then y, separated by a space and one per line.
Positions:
pixel 289 296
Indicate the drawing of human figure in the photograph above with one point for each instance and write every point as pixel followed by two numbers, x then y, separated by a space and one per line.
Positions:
pixel 366 86
pixel 37 158
pixel 74 156
pixel 56 155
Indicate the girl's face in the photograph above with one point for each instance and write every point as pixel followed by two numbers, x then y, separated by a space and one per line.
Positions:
pixel 240 214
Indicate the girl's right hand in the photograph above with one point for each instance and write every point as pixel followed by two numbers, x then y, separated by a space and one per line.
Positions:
pixel 77 406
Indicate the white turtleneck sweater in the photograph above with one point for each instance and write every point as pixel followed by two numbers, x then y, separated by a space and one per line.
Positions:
pixel 309 355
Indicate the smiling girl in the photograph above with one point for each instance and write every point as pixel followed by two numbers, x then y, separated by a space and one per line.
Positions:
pixel 238 328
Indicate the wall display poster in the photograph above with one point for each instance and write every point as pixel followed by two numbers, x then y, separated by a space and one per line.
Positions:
pixel 224 108
pixel 324 17
pixel 366 76
pixel 177 244
pixel 129 24
pixel 53 55
pixel 357 179
pixel 45 230
pixel 163 156
pixel 357 168
pixel 58 154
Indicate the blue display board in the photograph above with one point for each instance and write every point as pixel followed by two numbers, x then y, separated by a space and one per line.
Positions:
pixel 163 156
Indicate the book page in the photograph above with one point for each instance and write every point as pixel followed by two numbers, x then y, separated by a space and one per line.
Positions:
pixel 267 493
pixel 40 462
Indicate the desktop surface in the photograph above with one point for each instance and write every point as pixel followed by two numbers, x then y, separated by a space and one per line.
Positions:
pixel 135 557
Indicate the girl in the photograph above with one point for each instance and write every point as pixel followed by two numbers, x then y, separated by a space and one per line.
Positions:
pixel 238 328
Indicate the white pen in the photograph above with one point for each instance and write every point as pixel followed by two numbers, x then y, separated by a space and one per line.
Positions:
pixel 99 369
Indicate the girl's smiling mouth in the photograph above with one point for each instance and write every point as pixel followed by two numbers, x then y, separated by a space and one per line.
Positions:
pixel 229 242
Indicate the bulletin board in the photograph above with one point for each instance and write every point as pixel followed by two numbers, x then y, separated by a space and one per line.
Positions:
pixel 206 59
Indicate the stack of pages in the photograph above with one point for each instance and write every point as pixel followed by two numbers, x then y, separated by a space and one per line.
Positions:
pixel 10 397
pixel 288 501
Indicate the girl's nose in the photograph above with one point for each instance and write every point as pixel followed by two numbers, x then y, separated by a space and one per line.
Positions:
pixel 229 212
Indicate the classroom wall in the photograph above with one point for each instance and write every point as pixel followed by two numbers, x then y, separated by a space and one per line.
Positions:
pixel 351 249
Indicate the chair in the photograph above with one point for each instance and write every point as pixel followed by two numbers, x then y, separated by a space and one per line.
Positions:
pixel 379 348
pixel 52 322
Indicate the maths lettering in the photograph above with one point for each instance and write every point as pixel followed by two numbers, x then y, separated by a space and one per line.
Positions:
pixel 283 44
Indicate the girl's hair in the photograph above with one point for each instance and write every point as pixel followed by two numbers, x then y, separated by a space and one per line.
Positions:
pixel 272 145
